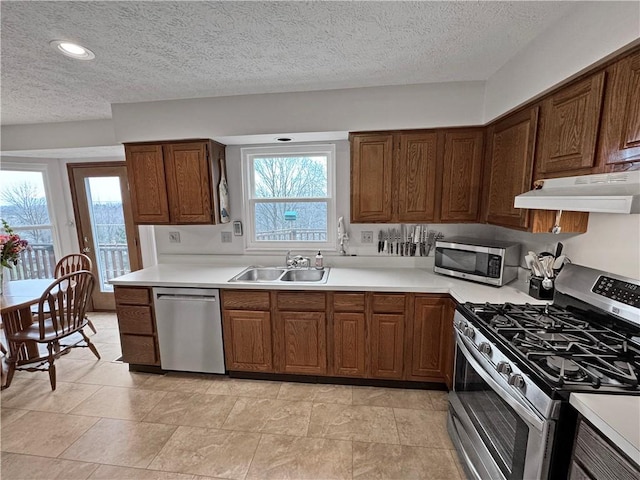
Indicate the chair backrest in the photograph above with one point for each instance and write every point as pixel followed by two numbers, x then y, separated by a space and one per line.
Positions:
pixel 65 303
pixel 72 263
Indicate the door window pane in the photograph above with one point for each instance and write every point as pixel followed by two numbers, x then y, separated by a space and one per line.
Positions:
pixel 107 224
pixel 23 204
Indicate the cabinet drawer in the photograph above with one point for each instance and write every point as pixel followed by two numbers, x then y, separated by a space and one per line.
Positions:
pixel 599 459
pixel 348 302
pixel 301 301
pixel 245 300
pixel 388 303
pixel 139 349
pixel 135 319
pixel 132 296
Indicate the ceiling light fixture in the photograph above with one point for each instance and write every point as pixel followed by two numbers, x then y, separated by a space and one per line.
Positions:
pixel 283 139
pixel 72 50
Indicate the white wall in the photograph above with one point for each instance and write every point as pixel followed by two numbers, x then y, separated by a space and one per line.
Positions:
pixel 578 40
pixel 612 243
pixel 412 106
pixel 90 133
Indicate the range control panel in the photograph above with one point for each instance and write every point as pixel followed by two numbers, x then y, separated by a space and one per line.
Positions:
pixel 623 292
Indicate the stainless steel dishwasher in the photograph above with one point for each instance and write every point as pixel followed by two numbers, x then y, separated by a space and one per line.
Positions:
pixel 189 329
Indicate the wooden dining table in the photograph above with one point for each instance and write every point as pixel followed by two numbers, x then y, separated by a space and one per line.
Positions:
pixel 15 309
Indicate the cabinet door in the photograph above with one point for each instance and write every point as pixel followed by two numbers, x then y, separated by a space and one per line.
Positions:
pixel 371 178
pixel 189 181
pixel 303 342
pixel 349 344
pixel 461 176
pixel 247 340
pixel 620 132
pixel 416 175
pixel 511 156
pixel 569 126
pixel 387 337
pixel 431 339
pixel 147 184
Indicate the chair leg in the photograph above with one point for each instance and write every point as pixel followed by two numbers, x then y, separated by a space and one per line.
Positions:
pixel 90 324
pixel 52 367
pixel 91 346
pixel 10 371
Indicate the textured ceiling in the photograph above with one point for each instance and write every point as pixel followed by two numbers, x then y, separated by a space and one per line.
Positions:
pixel 166 50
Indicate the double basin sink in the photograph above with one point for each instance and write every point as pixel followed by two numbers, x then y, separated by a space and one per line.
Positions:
pixel 282 275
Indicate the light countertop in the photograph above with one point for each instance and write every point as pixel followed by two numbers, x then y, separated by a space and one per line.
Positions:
pixel 416 280
pixel 616 416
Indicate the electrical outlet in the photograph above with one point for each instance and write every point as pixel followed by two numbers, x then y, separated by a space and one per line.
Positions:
pixel 226 237
pixel 174 237
pixel 366 237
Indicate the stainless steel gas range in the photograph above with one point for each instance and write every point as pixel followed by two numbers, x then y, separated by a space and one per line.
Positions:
pixel 516 365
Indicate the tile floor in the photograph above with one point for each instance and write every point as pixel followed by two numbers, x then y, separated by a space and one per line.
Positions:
pixel 104 422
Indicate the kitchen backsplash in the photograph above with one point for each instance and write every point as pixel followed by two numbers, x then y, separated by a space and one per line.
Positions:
pixel 612 243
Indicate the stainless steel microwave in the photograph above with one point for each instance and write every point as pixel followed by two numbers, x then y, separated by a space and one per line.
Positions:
pixel 486 261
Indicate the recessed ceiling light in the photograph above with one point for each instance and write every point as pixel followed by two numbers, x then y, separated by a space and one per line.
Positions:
pixel 72 50
pixel 283 139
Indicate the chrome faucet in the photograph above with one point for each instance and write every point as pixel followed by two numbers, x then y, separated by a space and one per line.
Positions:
pixel 297 262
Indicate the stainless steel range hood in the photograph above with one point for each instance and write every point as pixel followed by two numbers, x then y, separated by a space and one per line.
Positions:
pixel 608 193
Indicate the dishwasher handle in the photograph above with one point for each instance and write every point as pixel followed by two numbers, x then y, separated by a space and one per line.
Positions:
pixel 199 298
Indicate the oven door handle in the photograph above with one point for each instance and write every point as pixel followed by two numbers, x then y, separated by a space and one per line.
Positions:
pixel 527 414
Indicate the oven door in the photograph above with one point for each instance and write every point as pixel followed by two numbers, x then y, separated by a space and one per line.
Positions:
pixel 497 434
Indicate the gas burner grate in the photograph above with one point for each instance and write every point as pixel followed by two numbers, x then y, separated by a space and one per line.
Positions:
pixel 563 348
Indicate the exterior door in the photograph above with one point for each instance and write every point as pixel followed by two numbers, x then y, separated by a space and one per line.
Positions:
pixel 104 221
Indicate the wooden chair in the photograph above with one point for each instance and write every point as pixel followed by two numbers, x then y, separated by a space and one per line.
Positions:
pixel 73 263
pixel 62 309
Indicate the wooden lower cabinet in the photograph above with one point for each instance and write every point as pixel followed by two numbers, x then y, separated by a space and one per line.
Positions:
pixel 387 340
pixel 137 325
pixel 391 336
pixel 349 355
pixel 247 338
pixel 431 334
pixel 303 340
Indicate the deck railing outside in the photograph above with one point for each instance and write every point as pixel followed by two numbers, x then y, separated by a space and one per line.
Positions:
pixel 301 235
pixel 39 261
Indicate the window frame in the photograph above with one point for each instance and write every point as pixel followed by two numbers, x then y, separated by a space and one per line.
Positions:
pixel 249 199
pixel 44 169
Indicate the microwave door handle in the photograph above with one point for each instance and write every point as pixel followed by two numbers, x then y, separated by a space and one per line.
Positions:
pixel 528 415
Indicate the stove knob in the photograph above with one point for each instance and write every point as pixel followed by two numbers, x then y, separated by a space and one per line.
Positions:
pixel 470 332
pixel 504 367
pixel 517 381
pixel 485 348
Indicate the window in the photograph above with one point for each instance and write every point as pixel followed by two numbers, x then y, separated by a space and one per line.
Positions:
pixel 290 197
pixel 24 205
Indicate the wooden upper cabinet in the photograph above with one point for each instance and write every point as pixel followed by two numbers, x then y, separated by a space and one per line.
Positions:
pixel 371 177
pixel 147 183
pixel 188 173
pixel 461 176
pixel 620 131
pixel 511 150
pixel 416 177
pixel 569 127
pixel 174 182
